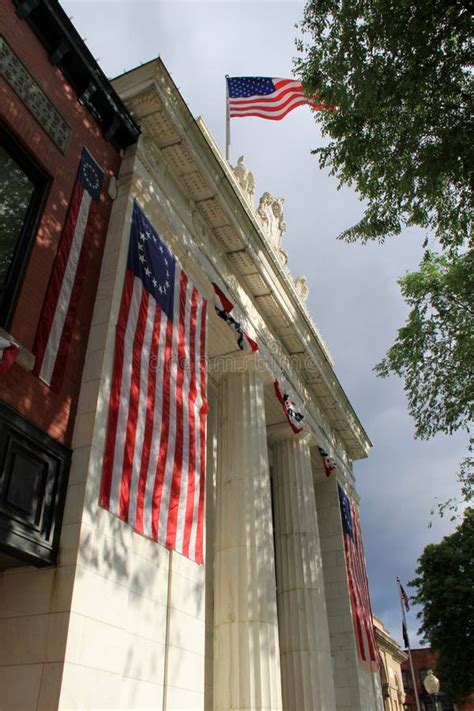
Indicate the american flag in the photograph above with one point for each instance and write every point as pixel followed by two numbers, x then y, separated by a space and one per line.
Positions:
pixel 265 97
pixel 154 457
pixel 223 308
pixel 404 597
pixel 357 578
pixel 53 337
pixel 328 463
pixel 293 416
pixel 8 354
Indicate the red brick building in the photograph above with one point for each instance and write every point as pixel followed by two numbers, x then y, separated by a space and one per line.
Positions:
pixel 55 103
pixel 424 659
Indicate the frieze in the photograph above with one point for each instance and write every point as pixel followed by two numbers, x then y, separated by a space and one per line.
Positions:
pixel 29 91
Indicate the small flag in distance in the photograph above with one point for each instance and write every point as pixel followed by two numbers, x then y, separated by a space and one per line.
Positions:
pixel 405 598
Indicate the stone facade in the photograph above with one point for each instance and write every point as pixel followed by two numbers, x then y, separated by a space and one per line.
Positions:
pixel 390 672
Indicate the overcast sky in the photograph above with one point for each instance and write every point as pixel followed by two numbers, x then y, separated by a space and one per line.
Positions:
pixel 354 298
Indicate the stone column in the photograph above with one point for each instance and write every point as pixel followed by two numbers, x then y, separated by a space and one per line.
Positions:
pixel 246 651
pixel 307 674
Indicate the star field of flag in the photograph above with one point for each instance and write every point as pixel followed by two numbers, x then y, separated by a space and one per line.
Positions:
pixel 250 86
pixel 151 261
pixel 91 176
pixel 346 514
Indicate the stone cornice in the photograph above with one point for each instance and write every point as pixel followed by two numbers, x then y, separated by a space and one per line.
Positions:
pixel 388 644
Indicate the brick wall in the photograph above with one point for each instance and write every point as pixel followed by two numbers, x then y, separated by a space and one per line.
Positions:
pixel 53 412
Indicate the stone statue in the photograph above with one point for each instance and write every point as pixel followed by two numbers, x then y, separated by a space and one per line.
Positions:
pixel 246 179
pixel 270 212
pixel 302 288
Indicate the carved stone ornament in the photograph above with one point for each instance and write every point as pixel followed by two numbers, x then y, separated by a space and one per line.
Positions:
pixel 283 257
pixel 30 92
pixel 246 179
pixel 302 288
pixel 270 212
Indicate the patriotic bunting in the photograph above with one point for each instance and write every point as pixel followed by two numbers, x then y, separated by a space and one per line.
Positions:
pixel 8 354
pixel 328 462
pixel 266 97
pixel 289 408
pixel 155 448
pixel 58 317
pixel 357 579
pixel 223 308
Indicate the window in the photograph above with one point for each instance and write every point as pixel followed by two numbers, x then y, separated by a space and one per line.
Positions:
pixel 34 470
pixel 23 188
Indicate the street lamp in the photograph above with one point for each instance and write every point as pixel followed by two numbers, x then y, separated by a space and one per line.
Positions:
pixel 431 684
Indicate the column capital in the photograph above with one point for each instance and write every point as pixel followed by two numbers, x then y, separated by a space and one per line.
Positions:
pixel 282 431
pixel 238 362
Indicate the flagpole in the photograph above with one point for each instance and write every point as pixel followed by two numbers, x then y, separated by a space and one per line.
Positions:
pixel 227 121
pixel 415 690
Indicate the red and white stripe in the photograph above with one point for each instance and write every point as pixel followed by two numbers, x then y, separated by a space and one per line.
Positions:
pixel 54 334
pixel 8 354
pixel 154 459
pixel 288 95
pixel 288 407
pixel 359 592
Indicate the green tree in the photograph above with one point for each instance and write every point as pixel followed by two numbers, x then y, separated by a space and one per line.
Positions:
pixel 398 77
pixel 445 589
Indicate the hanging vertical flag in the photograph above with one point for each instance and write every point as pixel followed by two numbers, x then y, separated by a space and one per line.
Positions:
pixel 289 408
pixel 8 354
pixel 154 458
pixel 53 337
pixel 328 463
pixel 266 97
pixel 223 308
pixel 357 579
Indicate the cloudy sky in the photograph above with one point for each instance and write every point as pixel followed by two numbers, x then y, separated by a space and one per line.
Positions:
pixel 354 297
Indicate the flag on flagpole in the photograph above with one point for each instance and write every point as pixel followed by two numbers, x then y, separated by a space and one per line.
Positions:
pixel 155 448
pixel 357 579
pixel 266 97
pixel 293 416
pixel 328 463
pixel 224 309
pixel 405 606
pixel 404 597
pixel 53 337
pixel 8 354
pixel 405 635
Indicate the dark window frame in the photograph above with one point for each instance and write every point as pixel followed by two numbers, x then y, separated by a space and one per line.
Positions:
pixel 42 181
pixel 31 533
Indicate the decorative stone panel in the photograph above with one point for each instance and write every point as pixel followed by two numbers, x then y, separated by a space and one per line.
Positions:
pixel 27 88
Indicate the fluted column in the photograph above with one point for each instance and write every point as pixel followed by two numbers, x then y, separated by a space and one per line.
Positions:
pixel 307 675
pixel 246 652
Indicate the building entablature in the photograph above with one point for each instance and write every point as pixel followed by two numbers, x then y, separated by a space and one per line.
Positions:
pixel 207 195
